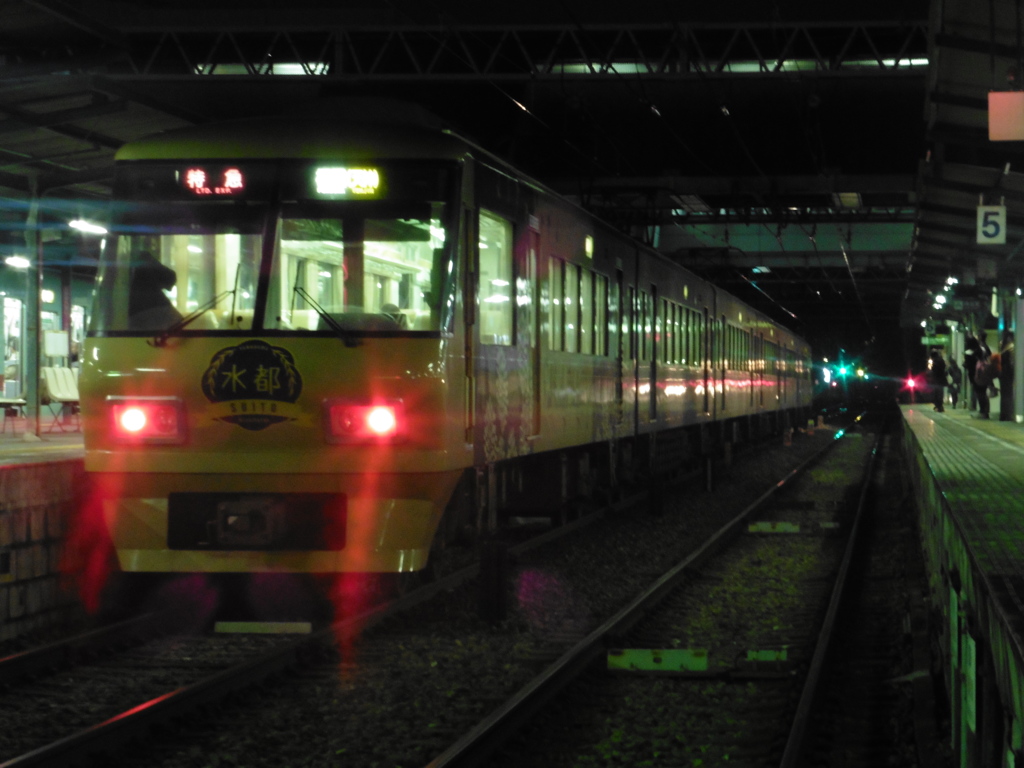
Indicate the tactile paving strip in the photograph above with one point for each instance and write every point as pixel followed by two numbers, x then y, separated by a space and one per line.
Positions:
pixel 981 475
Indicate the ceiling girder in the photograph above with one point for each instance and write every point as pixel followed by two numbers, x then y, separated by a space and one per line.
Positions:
pixel 722 257
pixel 517 52
pixel 59 121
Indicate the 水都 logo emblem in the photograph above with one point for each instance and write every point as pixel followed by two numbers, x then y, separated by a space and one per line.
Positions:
pixel 253 385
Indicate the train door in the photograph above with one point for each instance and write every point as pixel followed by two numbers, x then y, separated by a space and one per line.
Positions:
pixel 616 321
pixel 759 362
pixel 633 329
pixel 469 250
pixel 652 346
pixel 705 349
pixel 751 341
pixel 724 352
pixel 533 302
pixel 783 374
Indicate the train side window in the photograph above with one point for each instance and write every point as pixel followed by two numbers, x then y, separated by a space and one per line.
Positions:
pixel 664 342
pixel 670 331
pixel 697 348
pixel 496 280
pixel 692 343
pixel 677 326
pixel 601 315
pixel 586 311
pixel 555 270
pixel 673 320
pixel 628 323
pixel 646 319
pixel 527 290
pixel 572 307
pixel 705 347
pixel 684 340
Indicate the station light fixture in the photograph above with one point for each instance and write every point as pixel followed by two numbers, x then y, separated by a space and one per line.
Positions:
pixel 87 226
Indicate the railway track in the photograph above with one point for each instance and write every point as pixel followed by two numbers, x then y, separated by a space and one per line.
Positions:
pixel 431 642
pixel 722 660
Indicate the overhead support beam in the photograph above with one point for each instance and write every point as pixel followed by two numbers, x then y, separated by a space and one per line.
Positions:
pixel 958 100
pixel 334 48
pixel 58 123
pixel 985 46
pixel 721 257
pixel 973 189
pixel 83 21
pixel 51 181
pixel 19 119
pixel 21 185
pixel 746 185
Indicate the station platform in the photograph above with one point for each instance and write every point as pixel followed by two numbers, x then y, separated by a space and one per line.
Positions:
pixel 967 480
pixel 19 443
pixel 42 479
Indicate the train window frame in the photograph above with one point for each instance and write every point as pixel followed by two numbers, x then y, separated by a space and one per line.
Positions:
pixel 586 334
pixel 183 254
pixel 496 279
pixel 571 306
pixel 556 277
pixel 376 293
pixel 601 314
pixel 630 323
pixel 677 333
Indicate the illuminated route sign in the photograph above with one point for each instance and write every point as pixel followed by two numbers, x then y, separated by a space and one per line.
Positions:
pixel 222 181
pixel 347 181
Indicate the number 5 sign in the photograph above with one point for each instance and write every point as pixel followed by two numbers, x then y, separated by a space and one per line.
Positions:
pixel 992 224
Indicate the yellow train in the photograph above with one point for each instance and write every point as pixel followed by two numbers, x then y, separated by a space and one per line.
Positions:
pixel 339 345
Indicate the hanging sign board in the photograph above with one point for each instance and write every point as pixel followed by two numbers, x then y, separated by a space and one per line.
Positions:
pixel 55 343
pixel 1006 115
pixel 991 224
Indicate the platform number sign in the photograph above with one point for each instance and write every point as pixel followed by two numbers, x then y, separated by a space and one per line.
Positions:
pixel 991 224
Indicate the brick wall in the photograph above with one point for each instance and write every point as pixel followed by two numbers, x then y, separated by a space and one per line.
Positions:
pixel 38 505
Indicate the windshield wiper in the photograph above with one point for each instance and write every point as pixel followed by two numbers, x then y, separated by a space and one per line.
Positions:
pixel 161 338
pixel 341 333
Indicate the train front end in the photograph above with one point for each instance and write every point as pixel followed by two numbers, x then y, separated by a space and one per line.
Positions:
pixel 266 379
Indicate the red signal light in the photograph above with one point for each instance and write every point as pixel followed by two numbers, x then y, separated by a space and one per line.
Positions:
pixel 148 420
pixel 349 422
pixel 911 383
pixel 381 420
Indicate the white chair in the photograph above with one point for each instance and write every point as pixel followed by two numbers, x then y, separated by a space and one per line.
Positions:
pixel 60 393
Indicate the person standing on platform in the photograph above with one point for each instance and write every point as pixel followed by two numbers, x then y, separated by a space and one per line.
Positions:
pixel 956 378
pixel 937 378
pixel 1006 377
pixel 976 351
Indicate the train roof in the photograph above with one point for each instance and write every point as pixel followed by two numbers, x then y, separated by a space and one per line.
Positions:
pixel 368 130
pixel 300 137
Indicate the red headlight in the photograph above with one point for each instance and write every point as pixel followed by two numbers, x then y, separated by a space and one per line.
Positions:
pixel 147 419
pixel 349 422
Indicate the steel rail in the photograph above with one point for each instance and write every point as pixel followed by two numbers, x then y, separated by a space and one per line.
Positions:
pixel 805 708
pixel 475 746
pixel 122 728
pixel 36 661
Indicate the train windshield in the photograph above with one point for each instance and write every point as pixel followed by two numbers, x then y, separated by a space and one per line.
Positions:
pixel 319 267
pixel 188 265
pixel 363 266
